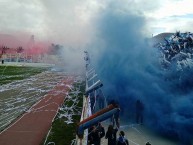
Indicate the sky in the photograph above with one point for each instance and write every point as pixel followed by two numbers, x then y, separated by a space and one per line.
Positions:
pixel 72 22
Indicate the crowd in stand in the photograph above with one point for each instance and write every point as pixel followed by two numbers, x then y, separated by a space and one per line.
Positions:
pixel 177 50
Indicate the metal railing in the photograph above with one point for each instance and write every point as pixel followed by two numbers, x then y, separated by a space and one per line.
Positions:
pixel 92 98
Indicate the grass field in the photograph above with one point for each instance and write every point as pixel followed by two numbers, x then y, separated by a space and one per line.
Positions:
pixel 63 131
pixel 13 73
pixel 21 87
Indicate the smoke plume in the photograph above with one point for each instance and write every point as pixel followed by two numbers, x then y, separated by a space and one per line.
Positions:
pixel 129 69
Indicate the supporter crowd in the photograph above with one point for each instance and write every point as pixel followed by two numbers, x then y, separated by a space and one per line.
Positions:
pixel 176 50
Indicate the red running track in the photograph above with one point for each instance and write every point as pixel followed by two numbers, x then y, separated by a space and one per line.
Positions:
pixel 33 126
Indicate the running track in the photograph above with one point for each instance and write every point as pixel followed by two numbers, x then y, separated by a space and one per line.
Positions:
pixel 32 127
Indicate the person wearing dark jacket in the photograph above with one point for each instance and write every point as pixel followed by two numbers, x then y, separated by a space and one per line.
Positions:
pixel 122 140
pixel 90 135
pixel 96 134
pixel 139 112
pixel 101 130
pixel 111 135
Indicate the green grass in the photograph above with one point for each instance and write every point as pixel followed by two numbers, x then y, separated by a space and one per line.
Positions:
pixel 9 74
pixel 62 133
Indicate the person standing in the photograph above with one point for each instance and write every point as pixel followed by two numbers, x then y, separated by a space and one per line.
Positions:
pixel 101 99
pixel 115 118
pixel 92 102
pixel 111 135
pixel 122 140
pixel 101 130
pixel 90 135
pixel 139 111
pixel 94 136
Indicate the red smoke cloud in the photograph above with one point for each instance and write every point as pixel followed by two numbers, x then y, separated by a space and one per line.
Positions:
pixel 13 42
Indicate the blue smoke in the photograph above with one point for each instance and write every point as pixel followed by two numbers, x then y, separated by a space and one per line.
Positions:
pixel 130 70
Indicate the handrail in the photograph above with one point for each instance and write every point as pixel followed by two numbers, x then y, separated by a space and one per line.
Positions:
pixel 99 116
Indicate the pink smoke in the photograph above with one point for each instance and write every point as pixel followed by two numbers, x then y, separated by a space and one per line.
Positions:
pixel 13 42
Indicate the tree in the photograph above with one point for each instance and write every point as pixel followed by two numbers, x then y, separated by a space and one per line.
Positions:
pixel 19 50
pixel 3 51
pixel 55 49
